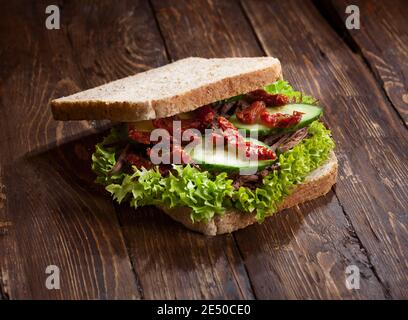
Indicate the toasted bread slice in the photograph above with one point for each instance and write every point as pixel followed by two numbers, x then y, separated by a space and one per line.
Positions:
pixel 178 87
pixel 316 184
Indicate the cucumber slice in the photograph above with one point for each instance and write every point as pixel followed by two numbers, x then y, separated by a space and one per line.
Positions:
pixel 311 113
pixel 223 160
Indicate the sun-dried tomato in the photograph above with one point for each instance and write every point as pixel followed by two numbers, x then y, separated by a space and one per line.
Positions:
pixel 165 169
pixel 164 123
pixel 262 153
pixel 225 124
pixel 178 151
pixel 251 114
pixel 231 133
pixel 206 115
pixel 233 137
pixel 177 154
pixel 280 120
pixel 139 136
pixel 271 100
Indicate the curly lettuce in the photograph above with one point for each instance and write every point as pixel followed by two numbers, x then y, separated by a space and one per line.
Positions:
pixel 295 165
pixel 186 187
pixel 104 159
pixel 205 193
pixel 283 87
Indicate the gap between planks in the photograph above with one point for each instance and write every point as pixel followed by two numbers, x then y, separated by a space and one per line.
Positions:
pixel 135 274
pixel 363 249
pixel 160 31
pixel 3 293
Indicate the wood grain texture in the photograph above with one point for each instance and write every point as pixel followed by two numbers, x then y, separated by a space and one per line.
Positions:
pixel 49 213
pixel 112 41
pixel 175 263
pixel 301 253
pixel 383 42
pixel 205 29
pixel 169 261
pixel 305 252
pixel 371 140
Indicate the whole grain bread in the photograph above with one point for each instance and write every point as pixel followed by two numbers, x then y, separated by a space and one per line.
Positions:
pixel 178 87
pixel 316 184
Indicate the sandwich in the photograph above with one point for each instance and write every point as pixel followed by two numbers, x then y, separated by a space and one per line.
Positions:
pixel 217 144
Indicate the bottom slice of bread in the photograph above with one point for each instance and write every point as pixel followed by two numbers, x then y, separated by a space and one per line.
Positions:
pixel 316 184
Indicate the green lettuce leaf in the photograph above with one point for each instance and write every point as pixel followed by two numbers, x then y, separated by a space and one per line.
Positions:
pixel 295 165
pixel 283 87
pixel 207 194
pixel 186 187
pixel 104 158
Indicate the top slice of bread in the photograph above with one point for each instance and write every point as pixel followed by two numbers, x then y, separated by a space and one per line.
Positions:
pixel 178 87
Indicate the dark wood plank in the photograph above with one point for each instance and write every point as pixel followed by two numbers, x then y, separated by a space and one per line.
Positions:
pixel 122 39
pixel 57 218
pixel 301 253
pixel 221 31
pixel 49 213
pixel 169 261
pixel 305 252
pixel 383 41
pixel 371 139
pixel 175 263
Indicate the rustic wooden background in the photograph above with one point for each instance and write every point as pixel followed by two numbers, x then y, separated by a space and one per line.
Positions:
pixel 51 212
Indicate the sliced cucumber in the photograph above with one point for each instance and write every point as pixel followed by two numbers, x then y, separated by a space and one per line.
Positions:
pixel 223 160
pixel 311 113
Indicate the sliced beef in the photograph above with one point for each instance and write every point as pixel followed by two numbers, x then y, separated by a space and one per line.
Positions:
pixel 263 173
pixel 271 140
pixel 230 108
pixel 254 180
pixel 226 108
pixel 289 140
pixel 245 180
pixel 120 162
pixel 281 143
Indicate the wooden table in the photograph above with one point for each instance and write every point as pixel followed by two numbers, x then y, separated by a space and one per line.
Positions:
pixel 51 212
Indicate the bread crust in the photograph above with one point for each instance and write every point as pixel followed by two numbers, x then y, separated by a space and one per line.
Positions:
pixel 316 184
pixel 122 100
pixel 223 89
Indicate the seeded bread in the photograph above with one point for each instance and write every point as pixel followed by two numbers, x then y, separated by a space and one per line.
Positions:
pixel 178 87
pixel 316 184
